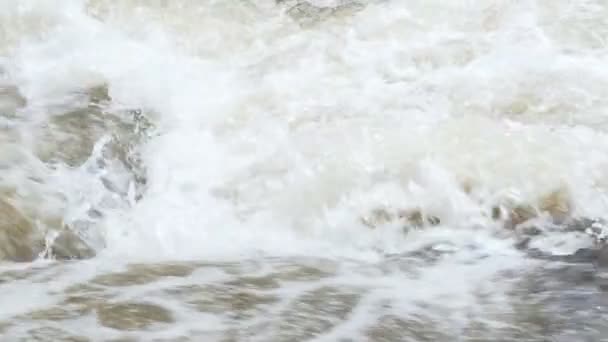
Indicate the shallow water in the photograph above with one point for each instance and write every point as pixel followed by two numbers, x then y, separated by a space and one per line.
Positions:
pixel 287 299
pixel 339 170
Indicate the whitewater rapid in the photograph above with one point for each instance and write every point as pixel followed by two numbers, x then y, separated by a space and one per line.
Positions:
pixel 271 129
pixel 349 131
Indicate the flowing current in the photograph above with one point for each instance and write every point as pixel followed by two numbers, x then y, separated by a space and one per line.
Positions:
pixel 282 170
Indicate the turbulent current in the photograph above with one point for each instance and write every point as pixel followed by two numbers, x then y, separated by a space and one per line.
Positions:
pixel 299 170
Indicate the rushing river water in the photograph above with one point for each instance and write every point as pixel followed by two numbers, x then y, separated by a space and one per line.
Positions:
pixel 282 170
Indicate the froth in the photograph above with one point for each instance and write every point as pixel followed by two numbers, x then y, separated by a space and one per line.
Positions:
pixel 269 131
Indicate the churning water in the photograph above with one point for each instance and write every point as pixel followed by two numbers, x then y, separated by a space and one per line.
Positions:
pixel 282 170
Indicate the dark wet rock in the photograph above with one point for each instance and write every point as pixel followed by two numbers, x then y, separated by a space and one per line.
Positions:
pixel 514 216
pixel 433 220
pixel 307 13
pixel 10 100
pixel 73 130
pixel 557 204
pixel 99 95
pixel 416 218
pixel 519 214
pixel 522 213
pixel 409 218
pixel 496 213
pixel 17 235
pixel 132 316
pixel 378 217
pixel 68 245
pixel 70 137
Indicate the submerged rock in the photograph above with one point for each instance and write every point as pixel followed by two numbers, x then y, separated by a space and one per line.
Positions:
pixel 72 137
pixel 557 204
pixel 68 245
pixel 307 13
pixel 17 241
pixel 10 100
pixel 132 315
pixel 418 219
pixel 83 136
pixel 513 214
pixel 414 218
pixel 520 214
pixel 21 240
pixel 377 217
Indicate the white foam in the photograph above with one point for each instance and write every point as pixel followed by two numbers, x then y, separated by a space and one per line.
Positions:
pixel 275 139
pixel 271 135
